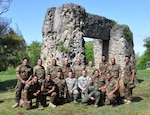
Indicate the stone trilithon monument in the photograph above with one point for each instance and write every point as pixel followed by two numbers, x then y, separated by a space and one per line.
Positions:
pixel 64 28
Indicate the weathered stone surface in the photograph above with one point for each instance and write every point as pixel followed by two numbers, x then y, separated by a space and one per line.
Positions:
pixel 120 45
pixel 64 28
pixel 96 26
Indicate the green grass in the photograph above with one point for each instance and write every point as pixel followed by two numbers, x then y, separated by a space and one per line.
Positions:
pixel 140 105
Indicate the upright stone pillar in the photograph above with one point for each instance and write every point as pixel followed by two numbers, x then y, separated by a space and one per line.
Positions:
pixel 97 43
pixel 121 44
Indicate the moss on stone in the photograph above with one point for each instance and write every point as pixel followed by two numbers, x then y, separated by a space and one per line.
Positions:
pixel 128 34
pixel 60 47
pixel 113 23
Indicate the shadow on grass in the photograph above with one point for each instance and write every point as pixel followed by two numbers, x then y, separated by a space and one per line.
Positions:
pixel 7 85
pixel 140 80
pixel 137 99
pixel 1 101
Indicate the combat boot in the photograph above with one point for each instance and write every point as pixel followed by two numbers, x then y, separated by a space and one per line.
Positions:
pixel 51 105
pixel 40 107
pixel 15 105
pixel 21 103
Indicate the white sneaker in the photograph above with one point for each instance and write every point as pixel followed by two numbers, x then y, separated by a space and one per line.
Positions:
pixel 75 101
pixel 52 105
pixel 125 100
pixel 95 106
pixel 128 102
pixel 15 105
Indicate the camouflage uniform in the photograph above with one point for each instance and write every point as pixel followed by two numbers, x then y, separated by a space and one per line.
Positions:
pixel 48 85
pixel 61 89
pixel 114 70
pixel 39 71
pixel 90 70
pixel 103 68
pixel 77 69
pixel 72 85
pixel 100 81
pixel 91 91
pixel 25 72
pixel 110 86
pixel 65 71
pixel 53 69
pixel 127 78
pixel 31 88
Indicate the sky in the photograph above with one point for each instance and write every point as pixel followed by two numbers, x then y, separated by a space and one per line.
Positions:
pixel 29 16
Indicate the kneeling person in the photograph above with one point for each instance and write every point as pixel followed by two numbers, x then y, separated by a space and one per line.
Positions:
pixel 72 86
pixel 61 88
pixel 32 90
pixel 91 92
pixel 112 90
pixel 48 89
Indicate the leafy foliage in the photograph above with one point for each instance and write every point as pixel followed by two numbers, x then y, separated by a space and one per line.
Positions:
pixel 113 23
pixel 141 64
pixel 89 54
pixel 128 34
pixel 33 51
pixel 12 47
pixel 60 47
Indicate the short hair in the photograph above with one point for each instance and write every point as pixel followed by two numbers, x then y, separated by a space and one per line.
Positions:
pixel 104 55
pixel 96 70
pixel 128 56
pixel 48 74
pixel 24 59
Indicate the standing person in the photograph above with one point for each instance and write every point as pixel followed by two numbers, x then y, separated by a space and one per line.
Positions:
pixel 129 75
pixel 114 69
pixel 32 90
pixel 66 68
pixel 48 89
pixel 39 71
pixel 103 66
pixel 61 88
pixel 82 82
pixel 24 74
pixel 72 86
pixel 90 69
pixel 77 69
pixel 53 69
pixel 101 82
pixel 112 90
pixel 91 92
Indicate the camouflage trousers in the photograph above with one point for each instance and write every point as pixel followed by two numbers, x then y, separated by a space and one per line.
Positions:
pixel 28 104
pixel 111 99
pixel 19 88
pixel 51 96
pixel 128 91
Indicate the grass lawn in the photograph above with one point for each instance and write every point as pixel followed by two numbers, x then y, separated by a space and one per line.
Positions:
pixel 140 105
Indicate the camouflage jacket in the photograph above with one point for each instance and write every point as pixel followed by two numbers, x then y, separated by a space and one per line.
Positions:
pixel 39 71
pixel 24 71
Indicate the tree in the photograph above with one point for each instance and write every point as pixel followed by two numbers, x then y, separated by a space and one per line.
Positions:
pixel 12 50
pixel 141 63
pixel 33 51
pixel 4 6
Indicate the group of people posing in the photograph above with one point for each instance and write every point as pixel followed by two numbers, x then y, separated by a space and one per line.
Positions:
pixel 98 86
